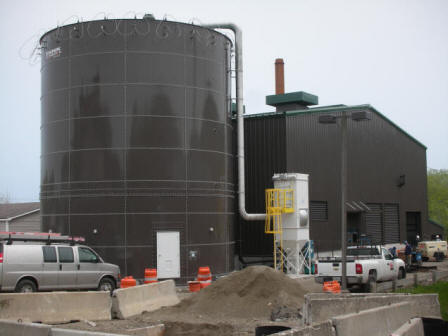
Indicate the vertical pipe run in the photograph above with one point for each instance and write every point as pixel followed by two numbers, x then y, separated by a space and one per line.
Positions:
pixel 240 118
pixel 279 76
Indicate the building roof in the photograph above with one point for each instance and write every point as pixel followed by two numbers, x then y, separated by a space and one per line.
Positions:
pixel 433 222
pixel 10 210
pixel 336 108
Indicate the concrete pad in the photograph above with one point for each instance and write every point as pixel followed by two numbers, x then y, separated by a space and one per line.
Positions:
pixel 413 327
pixel 373 322
pixel 55 307
pixel 10 328
pixel 132 301
pixel 155 330
pixel 318 307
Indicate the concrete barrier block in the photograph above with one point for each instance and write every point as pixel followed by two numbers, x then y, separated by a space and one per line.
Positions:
pixel 373 322
pixel 319 329
pixel 155 330
pixel 319 308
pixel 439 275
pixel 135 300
pixel 413 327
pixel 11 328
pixel 55 307
pixel 72 332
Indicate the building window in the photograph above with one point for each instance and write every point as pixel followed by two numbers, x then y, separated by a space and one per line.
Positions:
pixel 319 211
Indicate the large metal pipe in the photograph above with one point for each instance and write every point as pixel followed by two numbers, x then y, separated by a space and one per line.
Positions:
pixel 240 119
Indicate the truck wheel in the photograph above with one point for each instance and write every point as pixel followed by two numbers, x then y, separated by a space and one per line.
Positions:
pixel 401 273
pixel 26 286
pixel 370 286
pixel 106 285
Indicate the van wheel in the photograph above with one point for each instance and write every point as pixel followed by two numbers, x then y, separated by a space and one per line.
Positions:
pixel 26 286
pixel 106 285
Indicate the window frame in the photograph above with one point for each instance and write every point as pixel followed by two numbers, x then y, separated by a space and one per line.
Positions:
pixel 53 248
pixel 64 261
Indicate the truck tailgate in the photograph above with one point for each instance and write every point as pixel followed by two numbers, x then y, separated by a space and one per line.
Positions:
pixel 334 268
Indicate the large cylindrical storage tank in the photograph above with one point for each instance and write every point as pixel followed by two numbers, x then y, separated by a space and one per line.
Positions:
pixel 137 143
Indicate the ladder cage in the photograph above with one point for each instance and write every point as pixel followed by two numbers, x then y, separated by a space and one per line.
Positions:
pixel 278 202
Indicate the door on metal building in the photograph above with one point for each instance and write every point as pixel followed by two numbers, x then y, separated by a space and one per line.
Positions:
pixel 374 223
pixel 413 226
pixel 391 223
pixel 168 254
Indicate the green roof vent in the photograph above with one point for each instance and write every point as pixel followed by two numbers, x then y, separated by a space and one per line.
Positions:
pixel 292 101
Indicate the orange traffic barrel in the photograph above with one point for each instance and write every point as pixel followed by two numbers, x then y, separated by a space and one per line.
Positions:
pixel 150 275
pixel 128 281
pixel 204 276
pixel 194 286
pixel 332 287
pixel 336 287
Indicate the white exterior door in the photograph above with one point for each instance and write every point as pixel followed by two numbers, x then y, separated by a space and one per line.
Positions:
pixel 168 254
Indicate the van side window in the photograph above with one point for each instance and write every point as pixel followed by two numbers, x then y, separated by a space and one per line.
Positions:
pixel 86 255
pixel 65 254
pixel 49 254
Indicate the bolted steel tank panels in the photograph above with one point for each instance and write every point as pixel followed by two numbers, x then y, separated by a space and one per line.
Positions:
pixel 137 140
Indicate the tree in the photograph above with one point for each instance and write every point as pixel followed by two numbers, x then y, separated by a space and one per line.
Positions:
pixel 438 196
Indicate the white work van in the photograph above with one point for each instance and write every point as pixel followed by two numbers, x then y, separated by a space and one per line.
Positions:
pixel 366 265
pixel 35 262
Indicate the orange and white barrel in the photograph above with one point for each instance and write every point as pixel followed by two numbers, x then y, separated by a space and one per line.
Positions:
pixel 204 276
pixel 128 281
pixel 150 275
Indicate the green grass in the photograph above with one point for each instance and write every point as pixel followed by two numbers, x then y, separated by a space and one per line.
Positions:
pixel 440 288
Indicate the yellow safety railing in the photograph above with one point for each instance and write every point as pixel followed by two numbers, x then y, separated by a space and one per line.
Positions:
pixel 278 202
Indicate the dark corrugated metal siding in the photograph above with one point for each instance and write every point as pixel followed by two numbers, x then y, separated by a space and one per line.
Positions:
pixel 391 223
pixel 318 211
pixel 378 153
pixel 374 223
pixel 265 151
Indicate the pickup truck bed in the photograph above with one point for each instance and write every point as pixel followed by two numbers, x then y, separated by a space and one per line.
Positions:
pixel 364 266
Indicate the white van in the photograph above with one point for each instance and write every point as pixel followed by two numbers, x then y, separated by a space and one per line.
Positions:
pixel 36 262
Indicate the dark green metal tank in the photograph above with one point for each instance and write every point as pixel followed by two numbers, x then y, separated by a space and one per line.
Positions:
pixel 137 139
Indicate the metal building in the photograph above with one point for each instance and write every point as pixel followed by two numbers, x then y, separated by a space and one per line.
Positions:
pixel 386 192
pixel 137 143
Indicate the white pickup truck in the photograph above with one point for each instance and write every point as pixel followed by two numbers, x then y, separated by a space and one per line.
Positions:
pixel 366 265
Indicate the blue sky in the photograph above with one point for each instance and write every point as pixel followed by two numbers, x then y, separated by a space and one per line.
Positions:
pixel 392 54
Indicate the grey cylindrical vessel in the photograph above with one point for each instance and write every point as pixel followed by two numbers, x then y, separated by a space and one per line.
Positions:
pixel 137 143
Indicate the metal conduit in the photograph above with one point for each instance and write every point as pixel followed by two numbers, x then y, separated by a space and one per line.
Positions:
pixel 240 119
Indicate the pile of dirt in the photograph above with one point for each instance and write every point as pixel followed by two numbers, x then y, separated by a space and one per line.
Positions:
pixel 251 293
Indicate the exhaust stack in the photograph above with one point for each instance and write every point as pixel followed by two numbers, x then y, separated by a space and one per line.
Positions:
pixel 279 76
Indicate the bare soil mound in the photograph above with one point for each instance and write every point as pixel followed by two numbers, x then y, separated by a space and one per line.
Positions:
pixel 251 293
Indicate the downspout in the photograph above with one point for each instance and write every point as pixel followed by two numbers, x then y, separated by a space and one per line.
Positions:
pixel 240 119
